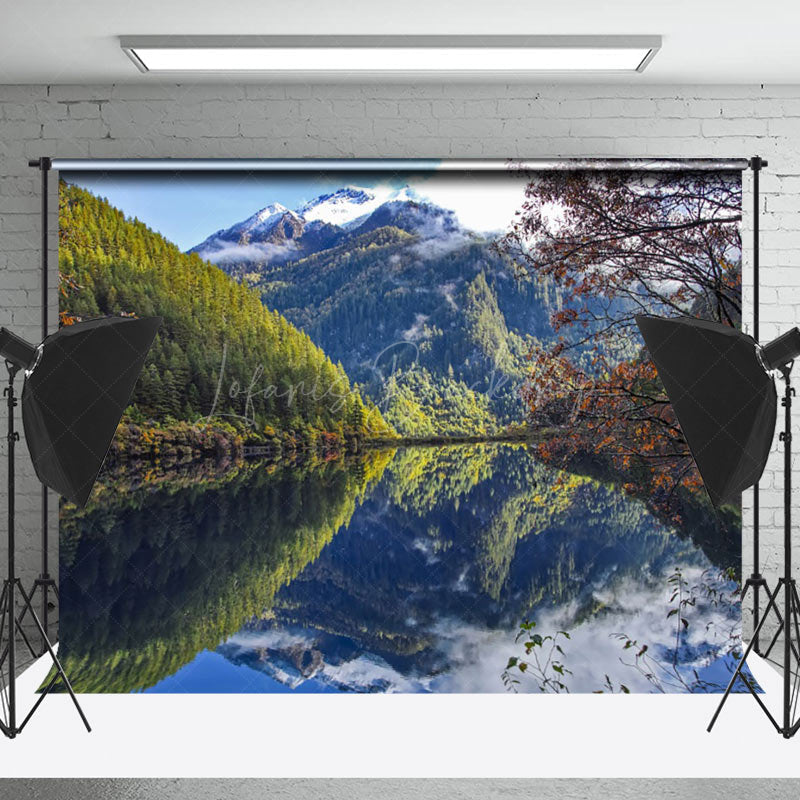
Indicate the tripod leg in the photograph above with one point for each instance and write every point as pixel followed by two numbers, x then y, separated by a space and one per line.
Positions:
pixel 763 708
pixel 794 722
pixel 779 629
pixel 27 607
pixel 738 670
pixel 796 597
pixel 744 591
pixel 57 663
pixel 773 641
pixel 793 643
pixel 3 608
pixel 46 585
pixel 757 643
pixel 38 702
pixel 26 604
pixel 776 636
pixel 3 692
pixel 796 688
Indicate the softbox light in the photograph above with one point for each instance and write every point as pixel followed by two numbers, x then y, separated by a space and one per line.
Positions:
pixel 77 384
pixel 723 397
pixel 720 384
pixel 75 394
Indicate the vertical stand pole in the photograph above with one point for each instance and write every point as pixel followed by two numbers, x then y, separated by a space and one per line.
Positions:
pixel 45 582
pixel 10 587
pixel 8 604
pixel 44 576
pixel 756 580
pixel 791 607
pixel 787 555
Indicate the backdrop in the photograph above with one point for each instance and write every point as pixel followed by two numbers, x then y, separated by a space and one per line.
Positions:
pixel 398 432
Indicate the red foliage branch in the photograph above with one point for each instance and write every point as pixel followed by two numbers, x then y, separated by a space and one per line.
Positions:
pixel 616 245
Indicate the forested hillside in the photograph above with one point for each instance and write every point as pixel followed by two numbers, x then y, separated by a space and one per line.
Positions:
pixel 389 302
pixel 114 265
pixel 426 314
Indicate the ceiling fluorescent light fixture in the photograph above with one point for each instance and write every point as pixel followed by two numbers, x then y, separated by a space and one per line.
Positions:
pixel 382 54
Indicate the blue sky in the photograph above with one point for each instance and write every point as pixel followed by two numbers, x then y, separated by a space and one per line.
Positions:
pixel 186 207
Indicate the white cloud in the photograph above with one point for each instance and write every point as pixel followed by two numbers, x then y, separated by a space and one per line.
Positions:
pixel 484 203
pixel 217 251
pixel 640 612
pixel 437 245
pixel 415 331
pixel 472 657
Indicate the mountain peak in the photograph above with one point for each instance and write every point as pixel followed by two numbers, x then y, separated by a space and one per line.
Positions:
pixel 268 211
pixel 411 212
pixel 266 217
pixel 275 233
pixel 407 195
pixel 340 207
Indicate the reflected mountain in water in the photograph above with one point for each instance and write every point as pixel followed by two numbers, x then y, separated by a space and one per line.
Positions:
pixel 153 575
pixel 404 570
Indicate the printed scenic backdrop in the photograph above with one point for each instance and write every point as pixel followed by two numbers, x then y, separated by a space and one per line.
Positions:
pixel 398 433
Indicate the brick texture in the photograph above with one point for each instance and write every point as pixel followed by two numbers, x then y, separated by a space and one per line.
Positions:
pixel 459 120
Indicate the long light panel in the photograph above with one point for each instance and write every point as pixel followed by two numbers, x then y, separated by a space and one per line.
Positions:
pixel 404 54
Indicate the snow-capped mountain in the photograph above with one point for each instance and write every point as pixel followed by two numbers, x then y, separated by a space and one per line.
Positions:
pixel 410 214
pixel 294 656
pixel 264 220
pixel 277 234
pixel 256 227
pixel 342 207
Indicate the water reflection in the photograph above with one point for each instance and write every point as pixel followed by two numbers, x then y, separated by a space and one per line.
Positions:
pixel 404 570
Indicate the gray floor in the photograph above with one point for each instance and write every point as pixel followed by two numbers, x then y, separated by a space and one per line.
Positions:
pixel 434 789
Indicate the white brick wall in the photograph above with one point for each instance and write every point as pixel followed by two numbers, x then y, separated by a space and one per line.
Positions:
pixel 400 120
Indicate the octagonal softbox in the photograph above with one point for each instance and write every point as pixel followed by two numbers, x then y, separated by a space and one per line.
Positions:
pixel 75 394
pixel 723 397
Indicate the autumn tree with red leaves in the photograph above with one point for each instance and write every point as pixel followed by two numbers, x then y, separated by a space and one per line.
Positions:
pixel 617 244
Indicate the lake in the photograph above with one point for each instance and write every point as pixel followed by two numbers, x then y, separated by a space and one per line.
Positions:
pixel 407 570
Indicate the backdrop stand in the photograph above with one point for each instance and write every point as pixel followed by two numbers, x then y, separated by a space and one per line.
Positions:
pixel 45 583
pixel 78 383
pixel 10 624
pixel 789 622
pixel 756 581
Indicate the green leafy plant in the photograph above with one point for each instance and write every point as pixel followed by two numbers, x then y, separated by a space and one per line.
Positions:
pixel 542 662
pixel 662 668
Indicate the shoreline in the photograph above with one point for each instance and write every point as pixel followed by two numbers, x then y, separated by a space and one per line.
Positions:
pixel 359 446
pixel 436 441
pixel 138 468
pixel 184 442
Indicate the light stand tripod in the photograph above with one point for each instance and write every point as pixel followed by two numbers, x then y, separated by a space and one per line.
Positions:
pixel 756 580
pixel 789 621
pixel 45 583
pixel 10 623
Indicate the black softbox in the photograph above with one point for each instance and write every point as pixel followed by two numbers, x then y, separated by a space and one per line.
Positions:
pixel 74 396
pixel 723 397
